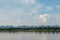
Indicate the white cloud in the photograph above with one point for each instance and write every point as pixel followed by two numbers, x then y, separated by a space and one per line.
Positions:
pixel 3 18
pixel 2 11
pixel 35 9
pixel 58 6
pixel 30 14
pixel 44 17
pixel 28 1
pixel 6 21
pixel 33 1
pixel 49 8
pixel 15 13
pixel 8 7
pixel 19 20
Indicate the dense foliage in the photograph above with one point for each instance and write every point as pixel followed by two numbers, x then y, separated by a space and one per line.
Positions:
pixel 30 28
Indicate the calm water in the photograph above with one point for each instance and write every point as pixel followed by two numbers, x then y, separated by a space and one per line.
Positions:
pixel 29 36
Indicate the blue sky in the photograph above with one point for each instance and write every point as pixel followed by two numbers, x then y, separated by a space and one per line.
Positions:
pixel 29 12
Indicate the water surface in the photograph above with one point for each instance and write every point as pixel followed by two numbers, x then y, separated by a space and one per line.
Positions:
pixel 29 36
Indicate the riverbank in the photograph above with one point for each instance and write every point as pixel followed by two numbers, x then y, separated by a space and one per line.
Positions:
pixel 28 30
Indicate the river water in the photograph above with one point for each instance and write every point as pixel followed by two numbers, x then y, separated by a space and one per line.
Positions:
pixel 29 36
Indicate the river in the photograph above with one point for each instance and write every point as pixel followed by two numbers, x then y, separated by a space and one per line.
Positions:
pixel 30 36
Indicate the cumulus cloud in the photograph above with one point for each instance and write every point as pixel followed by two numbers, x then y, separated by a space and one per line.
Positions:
pixel 44 17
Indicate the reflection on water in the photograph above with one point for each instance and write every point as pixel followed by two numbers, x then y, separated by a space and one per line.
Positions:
pixel 29 36
pixel 43 36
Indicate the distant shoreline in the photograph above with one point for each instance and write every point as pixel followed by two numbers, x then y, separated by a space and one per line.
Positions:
pixel 28 30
